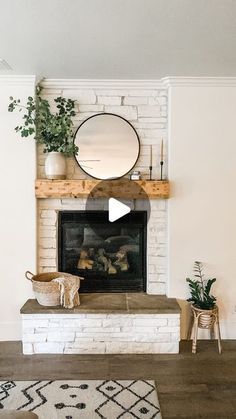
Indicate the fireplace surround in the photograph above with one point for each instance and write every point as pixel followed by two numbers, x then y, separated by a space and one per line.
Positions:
pixel 140 322
pixel 156 235
pixel 110 256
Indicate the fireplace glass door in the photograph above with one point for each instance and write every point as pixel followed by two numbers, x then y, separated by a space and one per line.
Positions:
pixel 110 256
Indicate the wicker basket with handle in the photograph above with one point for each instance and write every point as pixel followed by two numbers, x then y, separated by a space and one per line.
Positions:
pixel 47 293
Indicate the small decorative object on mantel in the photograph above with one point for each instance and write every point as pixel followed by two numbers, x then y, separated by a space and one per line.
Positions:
pixel 204 309
pixel 161 161
pixel 135 175
pixel 55 288
pixel 54 130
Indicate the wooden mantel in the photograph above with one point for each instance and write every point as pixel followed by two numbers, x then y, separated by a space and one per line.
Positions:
pixel 122 188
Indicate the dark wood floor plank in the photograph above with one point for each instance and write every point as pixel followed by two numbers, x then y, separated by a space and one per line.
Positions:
pixel 201 404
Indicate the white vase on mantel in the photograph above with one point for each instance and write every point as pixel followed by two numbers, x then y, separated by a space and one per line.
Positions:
pixel 55 165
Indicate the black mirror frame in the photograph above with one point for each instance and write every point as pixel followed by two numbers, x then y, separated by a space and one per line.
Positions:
pixel 118 116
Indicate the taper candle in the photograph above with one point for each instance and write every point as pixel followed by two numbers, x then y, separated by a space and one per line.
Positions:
pixel 150 155
pixel 162 149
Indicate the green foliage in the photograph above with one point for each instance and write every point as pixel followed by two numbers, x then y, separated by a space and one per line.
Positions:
pixel 54 130
pixel 200 289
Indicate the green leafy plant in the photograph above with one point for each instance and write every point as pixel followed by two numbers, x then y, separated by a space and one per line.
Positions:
pixel 54 130
pixel 200 289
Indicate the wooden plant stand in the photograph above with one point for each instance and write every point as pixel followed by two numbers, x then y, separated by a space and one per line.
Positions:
pixel 205 319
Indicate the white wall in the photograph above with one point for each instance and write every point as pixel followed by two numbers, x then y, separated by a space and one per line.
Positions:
pixel 202 210
pixel 17 209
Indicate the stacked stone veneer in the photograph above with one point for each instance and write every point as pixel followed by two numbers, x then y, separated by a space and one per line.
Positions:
pixel 100 333
pixel 146 109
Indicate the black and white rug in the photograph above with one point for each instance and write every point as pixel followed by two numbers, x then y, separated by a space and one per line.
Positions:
pixel 82 399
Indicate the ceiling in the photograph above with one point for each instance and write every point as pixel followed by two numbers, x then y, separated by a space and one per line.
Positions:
pixel 118 39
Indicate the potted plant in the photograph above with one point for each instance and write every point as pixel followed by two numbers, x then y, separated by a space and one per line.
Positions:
pixel 53 130
pixel 204 308
pixel 203 303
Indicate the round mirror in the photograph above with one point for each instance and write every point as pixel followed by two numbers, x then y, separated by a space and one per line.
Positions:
pixel 108 146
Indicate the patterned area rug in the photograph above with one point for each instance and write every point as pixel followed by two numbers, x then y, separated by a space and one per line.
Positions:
pixel 82 399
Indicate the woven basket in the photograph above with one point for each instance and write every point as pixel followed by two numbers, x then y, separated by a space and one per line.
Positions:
pixel 47 293
pixel 206 318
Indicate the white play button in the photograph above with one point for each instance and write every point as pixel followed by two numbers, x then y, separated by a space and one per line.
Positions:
pixel 117 209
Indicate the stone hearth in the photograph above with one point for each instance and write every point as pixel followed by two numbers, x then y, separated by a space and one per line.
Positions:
pixel 103 323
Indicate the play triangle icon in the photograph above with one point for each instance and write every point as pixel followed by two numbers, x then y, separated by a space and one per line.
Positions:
pixel 117 209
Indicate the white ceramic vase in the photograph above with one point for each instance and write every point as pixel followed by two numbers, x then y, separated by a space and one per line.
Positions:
pixel 55 165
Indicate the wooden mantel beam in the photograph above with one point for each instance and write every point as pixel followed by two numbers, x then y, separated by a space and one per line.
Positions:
pixel 121 188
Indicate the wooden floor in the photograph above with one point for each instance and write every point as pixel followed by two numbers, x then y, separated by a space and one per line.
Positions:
pixel 189 386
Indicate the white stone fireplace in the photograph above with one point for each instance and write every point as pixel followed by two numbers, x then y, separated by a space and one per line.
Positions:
pixel 143 326
pixel 145 107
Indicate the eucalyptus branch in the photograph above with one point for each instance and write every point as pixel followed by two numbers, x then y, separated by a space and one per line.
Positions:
pixel 20 106
pixel 54 130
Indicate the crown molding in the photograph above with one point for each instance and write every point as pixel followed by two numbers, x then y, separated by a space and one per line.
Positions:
pixel 18 80
pixel 110 84
pixel 199 81
pixel 101 84
pixel 164 83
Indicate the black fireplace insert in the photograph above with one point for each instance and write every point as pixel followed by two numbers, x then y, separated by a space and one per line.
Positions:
pixel 110 256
